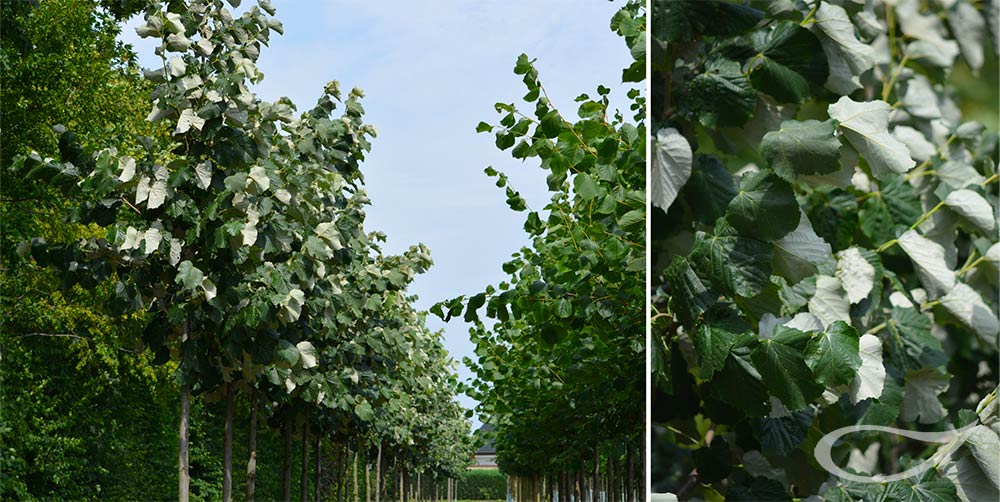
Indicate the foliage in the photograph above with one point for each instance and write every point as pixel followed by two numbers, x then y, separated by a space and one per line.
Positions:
pixel 482 484
pixel 824 246
pixel 223 233
pixel 560 349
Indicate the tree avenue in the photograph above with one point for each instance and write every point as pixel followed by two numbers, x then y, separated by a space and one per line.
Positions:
pixel 235 234
pixel 824 248
pixel 560 351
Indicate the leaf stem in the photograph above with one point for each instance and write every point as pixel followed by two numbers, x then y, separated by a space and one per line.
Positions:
pixel 887 245
pixel 927 215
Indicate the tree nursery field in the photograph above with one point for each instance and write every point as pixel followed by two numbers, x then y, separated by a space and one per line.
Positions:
pixel 824 250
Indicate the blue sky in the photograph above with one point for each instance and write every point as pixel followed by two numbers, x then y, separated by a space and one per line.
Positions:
pixel 431 70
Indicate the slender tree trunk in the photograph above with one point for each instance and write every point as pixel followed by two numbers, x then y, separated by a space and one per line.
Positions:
pixel 378 474
pixel 183 465
pixel 317 468
pixel 252 460
pixel 642 470
pixel 342 457
pixel 595 483
pixel 286 485
pixel 630 476
pixel 304 474
pixel 355 476
pixel 579 481
pixel 184 473
pixel 227 448
pixel 368 476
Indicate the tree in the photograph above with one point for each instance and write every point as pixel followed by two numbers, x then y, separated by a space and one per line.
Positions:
pixel 823 229
pixel 559 370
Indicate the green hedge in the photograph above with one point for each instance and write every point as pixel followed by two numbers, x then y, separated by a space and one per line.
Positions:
pixel 482 484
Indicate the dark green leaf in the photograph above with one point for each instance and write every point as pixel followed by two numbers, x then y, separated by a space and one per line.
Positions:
pixel 807 147
pixel 722 95
pixel 764 208
pixel 735 265
pixel 833 355
pixel 786 375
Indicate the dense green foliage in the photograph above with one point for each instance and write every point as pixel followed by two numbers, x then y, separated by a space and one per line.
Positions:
pixel 214 245
pixel 560 350
pixel 824 248
pixel 482 484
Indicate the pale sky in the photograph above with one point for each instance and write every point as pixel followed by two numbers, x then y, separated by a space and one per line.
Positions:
pixel 431 70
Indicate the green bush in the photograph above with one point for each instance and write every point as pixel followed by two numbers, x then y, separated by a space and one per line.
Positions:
pixel 482 484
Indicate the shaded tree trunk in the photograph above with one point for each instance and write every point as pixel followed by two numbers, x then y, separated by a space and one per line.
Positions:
pixel 304 474
pixel 183 464
pixel 355 476
pixel 630 477
pixel 378 474
pixel 317 469
pixel 227 448
pixel 252 457
pixel 368 477
pixel 286 480
pixel 184 468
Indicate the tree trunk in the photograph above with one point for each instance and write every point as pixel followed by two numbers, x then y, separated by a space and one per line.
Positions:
pixel 368 476
pixel 630 477
pixel 304 474
pixel 227 448
pixel 355 476
pixel 183 465
pixel 595 483
pixel 378 474
pixel 184 468
pixel 286 485
pixel 252 460
pixel 317 468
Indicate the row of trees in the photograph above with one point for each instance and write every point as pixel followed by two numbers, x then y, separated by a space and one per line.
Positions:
pixel 560 350
pixel 229 232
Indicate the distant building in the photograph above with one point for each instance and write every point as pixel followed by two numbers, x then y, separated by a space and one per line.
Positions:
pixel 486 456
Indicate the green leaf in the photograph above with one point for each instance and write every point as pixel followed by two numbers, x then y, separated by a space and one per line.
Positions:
pixel 709 189
pixel 808 147
pixel 925 488
pixel 865 125
pixel 792 62
pixel 739 384
pixel 689 297
pixel 801 253
pixel 722 95
pixel 364 411
pixel 764 208
pixel 781 435
pixel 585 186
pixel 735 265
pixel 722 328
pixel 786 374
pixel 188 275
pixel 288 352
pixel 920 396
pixel 670 168
pixel 833 355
